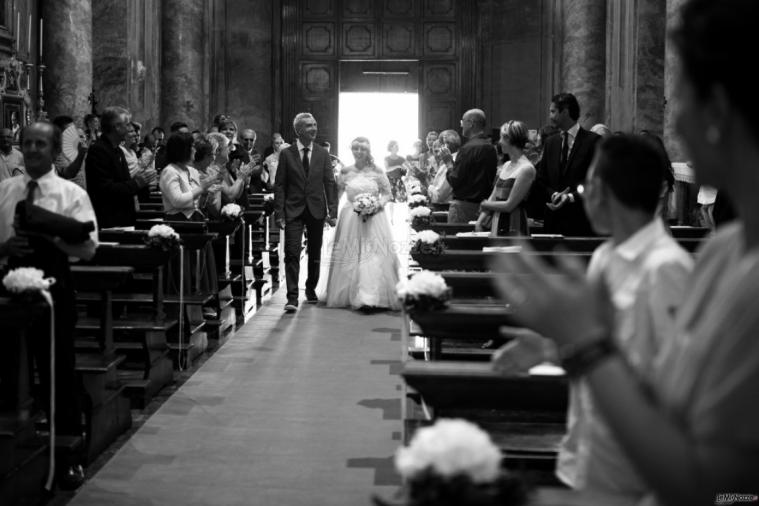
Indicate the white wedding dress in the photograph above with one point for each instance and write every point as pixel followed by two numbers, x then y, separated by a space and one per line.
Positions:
pixel 364 264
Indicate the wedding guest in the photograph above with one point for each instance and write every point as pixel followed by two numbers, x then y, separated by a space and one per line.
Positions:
pixel 234 181
pixel 160 155
pixel 205 154
pixel 504 210
pixel 217 121
pixel 83 137
pixel 258 182
pixel 272 161
pixel 41 143
pixel 562 168
pixel 394 170
pixel 109 184
pixel 692 431
pixel 139 162
pixel 69 163
pixel 471 175
pixel 440 191
pixel 11 159
pixel 92 127
pixel 669 176
pixel 181 185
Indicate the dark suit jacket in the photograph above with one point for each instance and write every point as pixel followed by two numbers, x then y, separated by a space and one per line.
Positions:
pixel 293 191
pixel 111 189
pixel 570 219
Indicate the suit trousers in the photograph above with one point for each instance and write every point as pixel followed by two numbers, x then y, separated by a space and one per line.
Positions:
pixel 293 243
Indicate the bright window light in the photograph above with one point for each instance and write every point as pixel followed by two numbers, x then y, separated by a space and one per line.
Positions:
pixel 381 117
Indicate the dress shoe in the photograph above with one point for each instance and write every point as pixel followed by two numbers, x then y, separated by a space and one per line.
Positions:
pixel 291 306
pixel 71 478
pixel 311 296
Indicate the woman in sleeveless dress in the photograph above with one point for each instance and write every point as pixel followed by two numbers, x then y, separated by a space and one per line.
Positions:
pixel 364 267
pixel 503 212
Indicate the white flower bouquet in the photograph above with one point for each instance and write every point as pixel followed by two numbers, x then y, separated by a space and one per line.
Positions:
pixel 269 204
pixel 163 237
pixel 424 291
pixel 417 200
pixel 413 186
pixel 366 205
pixel 231 212
pixel 420 217
pixel 454 462
pixel 26 281
pixel 428 242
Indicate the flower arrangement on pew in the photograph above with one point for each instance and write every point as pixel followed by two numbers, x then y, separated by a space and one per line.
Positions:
pixel 27 283
pixel 413 186
pixel 417 200
pixel 163 237
pixel 455 463
pixel 420 217
pixel 231 212
pixel 269 204
pixel 428 242
pixel 424 291
pixel 366 205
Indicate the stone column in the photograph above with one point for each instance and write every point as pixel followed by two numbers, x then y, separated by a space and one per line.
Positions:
pixel 674 148
pixel 67 53
pixel 183 63
pixel 583 69
pixel 649 66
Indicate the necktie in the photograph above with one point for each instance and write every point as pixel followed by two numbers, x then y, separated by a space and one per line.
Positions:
pixel 305 160
pixel 30 187
pixel 564 150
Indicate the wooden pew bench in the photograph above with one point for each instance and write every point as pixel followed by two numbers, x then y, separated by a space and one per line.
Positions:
pixel 544 244
pixel 470 260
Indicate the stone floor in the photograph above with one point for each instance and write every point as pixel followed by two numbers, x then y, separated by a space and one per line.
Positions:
pixel 299 409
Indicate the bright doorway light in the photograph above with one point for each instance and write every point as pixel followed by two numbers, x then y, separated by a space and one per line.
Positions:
pixel 381 117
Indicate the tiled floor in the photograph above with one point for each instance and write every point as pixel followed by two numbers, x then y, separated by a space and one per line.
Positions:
pixel 297 409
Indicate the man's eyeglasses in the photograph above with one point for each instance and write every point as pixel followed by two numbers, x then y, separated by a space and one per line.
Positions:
pixel 249 140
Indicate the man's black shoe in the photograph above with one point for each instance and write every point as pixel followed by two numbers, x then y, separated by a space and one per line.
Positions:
pixel 311 296
pixel 71 478
pixel 291 306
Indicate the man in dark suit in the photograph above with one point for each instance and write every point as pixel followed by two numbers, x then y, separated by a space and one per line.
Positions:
pixel 111 188
pixel 563 167
pixel 305 195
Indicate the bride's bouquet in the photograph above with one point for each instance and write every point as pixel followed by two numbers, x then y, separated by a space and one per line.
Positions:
pixel 454 462
pixel 424 291
pixel 428 242
pixel 366 205
pixel 420 216
pixel 417 200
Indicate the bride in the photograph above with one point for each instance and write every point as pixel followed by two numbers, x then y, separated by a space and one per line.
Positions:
pixel 363 267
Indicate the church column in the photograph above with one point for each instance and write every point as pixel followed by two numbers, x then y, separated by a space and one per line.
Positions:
pixel 649 62
pixel 674 148
pixel 67 53
pixel 583 69
pixel 183 63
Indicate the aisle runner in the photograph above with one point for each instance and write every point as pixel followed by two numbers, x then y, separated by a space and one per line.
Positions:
pixel 293 410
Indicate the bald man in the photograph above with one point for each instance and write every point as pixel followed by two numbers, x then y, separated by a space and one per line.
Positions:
pixel 472 174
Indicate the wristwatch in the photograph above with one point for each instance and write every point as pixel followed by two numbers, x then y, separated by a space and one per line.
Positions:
pixel 578 360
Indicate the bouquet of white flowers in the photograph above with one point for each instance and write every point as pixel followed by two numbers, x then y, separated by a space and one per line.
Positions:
pixel 163 237
pixel 428 242
pixel 413 186
pixel 424 291
pixel 269 204
pixel 366 205
pixel 26 281
pixel 420 217
pixel 454 462
pixel 231 212
pixel 417 200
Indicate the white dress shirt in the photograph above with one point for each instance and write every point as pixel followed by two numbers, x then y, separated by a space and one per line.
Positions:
pixel 647 277
pixel 301 147
pixel 54 194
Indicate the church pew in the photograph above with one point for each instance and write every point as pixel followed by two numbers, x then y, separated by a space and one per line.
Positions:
pixel 545 243
pixel 440 216
pixel 107 412
pixel 439 207
pixel 469 260
pixel 141 337
pixel 23 455
pixel 682 232
pixel 446 228
pixel 524 414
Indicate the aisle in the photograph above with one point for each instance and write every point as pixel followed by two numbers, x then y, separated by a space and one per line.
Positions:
pixel 297 409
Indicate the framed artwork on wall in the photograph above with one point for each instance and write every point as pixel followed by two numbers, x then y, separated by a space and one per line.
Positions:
pixel 13 114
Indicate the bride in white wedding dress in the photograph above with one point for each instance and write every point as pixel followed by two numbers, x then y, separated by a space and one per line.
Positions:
pixel 364 266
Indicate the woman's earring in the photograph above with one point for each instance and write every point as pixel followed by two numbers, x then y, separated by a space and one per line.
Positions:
pixel 713 135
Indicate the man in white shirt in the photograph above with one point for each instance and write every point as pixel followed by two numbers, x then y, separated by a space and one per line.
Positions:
pixel 11 159
pixel 646 272
pixel 42 187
